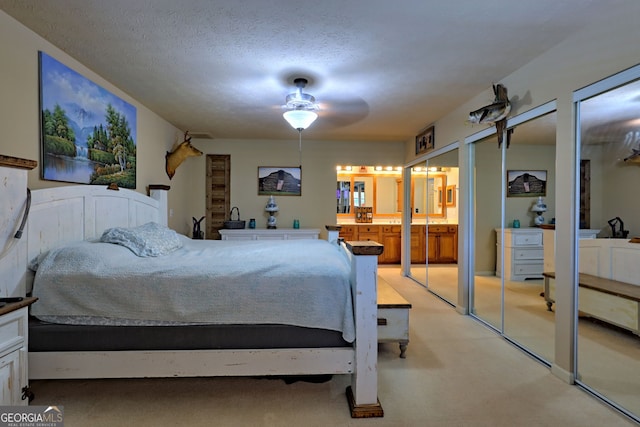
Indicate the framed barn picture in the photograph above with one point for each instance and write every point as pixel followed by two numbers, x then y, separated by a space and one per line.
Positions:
pixel 526 183
pixel 279 181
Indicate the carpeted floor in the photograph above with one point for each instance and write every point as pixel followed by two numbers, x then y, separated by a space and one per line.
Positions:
pixel 608 356
pixel 457 373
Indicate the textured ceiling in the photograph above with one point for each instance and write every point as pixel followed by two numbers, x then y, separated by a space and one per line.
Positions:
pixel 380 69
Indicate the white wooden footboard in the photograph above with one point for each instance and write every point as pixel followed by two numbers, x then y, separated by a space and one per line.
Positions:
pixel 191 363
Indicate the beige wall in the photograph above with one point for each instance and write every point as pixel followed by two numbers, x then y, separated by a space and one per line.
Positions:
pixel 19 112
pixel 317 205
pixel 19 119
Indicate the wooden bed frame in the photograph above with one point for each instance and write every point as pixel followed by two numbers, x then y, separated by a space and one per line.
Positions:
pixel 71 213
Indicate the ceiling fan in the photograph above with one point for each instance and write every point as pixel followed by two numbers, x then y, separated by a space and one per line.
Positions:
pixel 335 106
pixel 301 107
pixel 300 100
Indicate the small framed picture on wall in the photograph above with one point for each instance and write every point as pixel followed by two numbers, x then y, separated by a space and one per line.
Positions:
pixel 424 141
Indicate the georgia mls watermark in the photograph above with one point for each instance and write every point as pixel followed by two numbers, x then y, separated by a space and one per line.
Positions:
pixel 31 416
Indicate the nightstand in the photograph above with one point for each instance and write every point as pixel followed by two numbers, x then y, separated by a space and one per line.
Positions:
pixel 13 352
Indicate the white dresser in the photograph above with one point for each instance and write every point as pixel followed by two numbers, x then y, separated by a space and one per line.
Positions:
pixel 523 253
pixel 269 234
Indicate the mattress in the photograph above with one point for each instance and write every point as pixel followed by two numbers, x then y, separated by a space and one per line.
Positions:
pixel 44 336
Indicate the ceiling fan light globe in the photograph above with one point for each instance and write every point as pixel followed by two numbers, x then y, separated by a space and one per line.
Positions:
pixel 300 119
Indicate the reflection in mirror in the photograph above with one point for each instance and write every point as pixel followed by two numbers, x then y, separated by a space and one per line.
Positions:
pixel 436 185
pixel 388 195
pixel 442 240
pixel 509 261
pixel 420 185
pixel 532 148
pixel 418 204
pixel 486 300
pixel 359 198
pixel 363 191
pixel 609 349
pixel 343 197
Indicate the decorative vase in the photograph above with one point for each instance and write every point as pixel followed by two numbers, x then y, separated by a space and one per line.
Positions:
pixel 272 208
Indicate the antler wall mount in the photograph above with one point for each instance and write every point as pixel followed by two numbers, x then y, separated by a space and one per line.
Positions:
pixel 174 158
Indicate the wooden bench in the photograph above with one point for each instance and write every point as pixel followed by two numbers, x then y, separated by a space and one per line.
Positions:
pixel 612 288
pixel 393 316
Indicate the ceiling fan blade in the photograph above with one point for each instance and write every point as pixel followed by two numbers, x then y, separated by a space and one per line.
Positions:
pixel 344 112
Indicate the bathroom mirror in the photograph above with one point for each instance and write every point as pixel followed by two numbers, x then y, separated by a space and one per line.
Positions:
pixel 388 194
pixel 382 191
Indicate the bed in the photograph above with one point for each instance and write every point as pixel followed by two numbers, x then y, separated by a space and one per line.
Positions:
pixel 76 216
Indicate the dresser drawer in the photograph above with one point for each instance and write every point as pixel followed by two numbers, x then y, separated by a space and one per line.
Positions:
pixel 527 269
pixel 537 254
pixel 527 239
pixel 391 228
pixel 12 329
pixel 368 229
pixel 364 236
pixel 438 229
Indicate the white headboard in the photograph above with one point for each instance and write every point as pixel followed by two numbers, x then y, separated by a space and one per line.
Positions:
pixel 62 215
pixel 65 214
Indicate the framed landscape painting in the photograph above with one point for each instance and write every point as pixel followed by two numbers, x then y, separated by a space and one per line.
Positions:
pixel 88 134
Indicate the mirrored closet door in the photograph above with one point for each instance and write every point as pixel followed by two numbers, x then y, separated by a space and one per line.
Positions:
pixel 417 207
pixel 486 289
pixel 530 202
pixel 442 228
pixel 513 197
pixel 608 216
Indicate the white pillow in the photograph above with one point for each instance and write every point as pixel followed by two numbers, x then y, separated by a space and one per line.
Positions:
pixel 148 240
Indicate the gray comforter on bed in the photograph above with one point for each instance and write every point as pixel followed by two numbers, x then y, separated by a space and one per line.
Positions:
pixel 297 282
